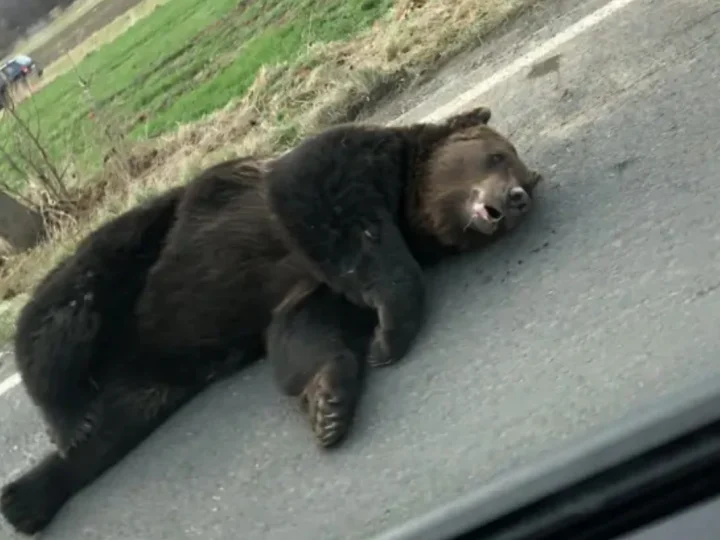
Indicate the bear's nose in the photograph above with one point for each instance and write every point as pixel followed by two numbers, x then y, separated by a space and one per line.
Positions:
pixel 518 197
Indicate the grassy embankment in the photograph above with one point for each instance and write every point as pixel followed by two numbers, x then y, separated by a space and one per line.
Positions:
pixel 195 82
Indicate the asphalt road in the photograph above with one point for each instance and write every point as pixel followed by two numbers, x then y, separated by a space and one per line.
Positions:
pixel 606 298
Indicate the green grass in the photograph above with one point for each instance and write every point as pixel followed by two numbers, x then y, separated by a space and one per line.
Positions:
pixel 188 58
pixel 308 89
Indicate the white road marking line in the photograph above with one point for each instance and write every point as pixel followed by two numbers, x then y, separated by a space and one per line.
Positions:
pixel 523 62
pixel 453 106
pixel 11 382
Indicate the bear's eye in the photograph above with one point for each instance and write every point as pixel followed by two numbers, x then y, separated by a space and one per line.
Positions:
pixel 495 159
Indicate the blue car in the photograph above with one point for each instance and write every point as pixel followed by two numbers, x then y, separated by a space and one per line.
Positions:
pixel 15 70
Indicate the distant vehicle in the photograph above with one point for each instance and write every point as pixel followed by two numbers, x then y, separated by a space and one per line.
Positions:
pixel 14 70
pixel 19 67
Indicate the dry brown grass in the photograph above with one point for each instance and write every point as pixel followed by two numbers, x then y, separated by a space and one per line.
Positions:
pixel 331 82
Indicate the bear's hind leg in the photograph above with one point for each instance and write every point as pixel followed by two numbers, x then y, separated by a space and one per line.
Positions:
pixel 131 412
pixel 316 343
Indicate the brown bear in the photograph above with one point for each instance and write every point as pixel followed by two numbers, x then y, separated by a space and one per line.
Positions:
pixel 366 216
pixel 299 257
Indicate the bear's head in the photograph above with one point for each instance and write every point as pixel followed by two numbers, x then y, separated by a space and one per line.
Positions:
pixel 475 184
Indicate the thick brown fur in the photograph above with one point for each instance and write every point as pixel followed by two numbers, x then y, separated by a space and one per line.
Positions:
pixel 368 214
pixel 314 257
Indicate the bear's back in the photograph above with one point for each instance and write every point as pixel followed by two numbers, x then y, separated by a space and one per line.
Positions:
pixel 224 266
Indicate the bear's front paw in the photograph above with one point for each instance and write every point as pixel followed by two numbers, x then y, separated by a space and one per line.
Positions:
pixel 388 346
pixel 72 431
pixel 24 505
pixel 329 407
pixel 67 441
pixel 379 354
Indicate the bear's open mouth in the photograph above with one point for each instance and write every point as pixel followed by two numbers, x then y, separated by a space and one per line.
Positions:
pixel 486 212
pixel 481 211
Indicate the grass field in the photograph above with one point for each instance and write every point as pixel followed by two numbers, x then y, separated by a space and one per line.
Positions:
pixel 186 60
pixel 196 81
pixel 106 20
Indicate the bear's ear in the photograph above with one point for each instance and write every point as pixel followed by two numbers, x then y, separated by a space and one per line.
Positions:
pixel 535 178
pixel 471 118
